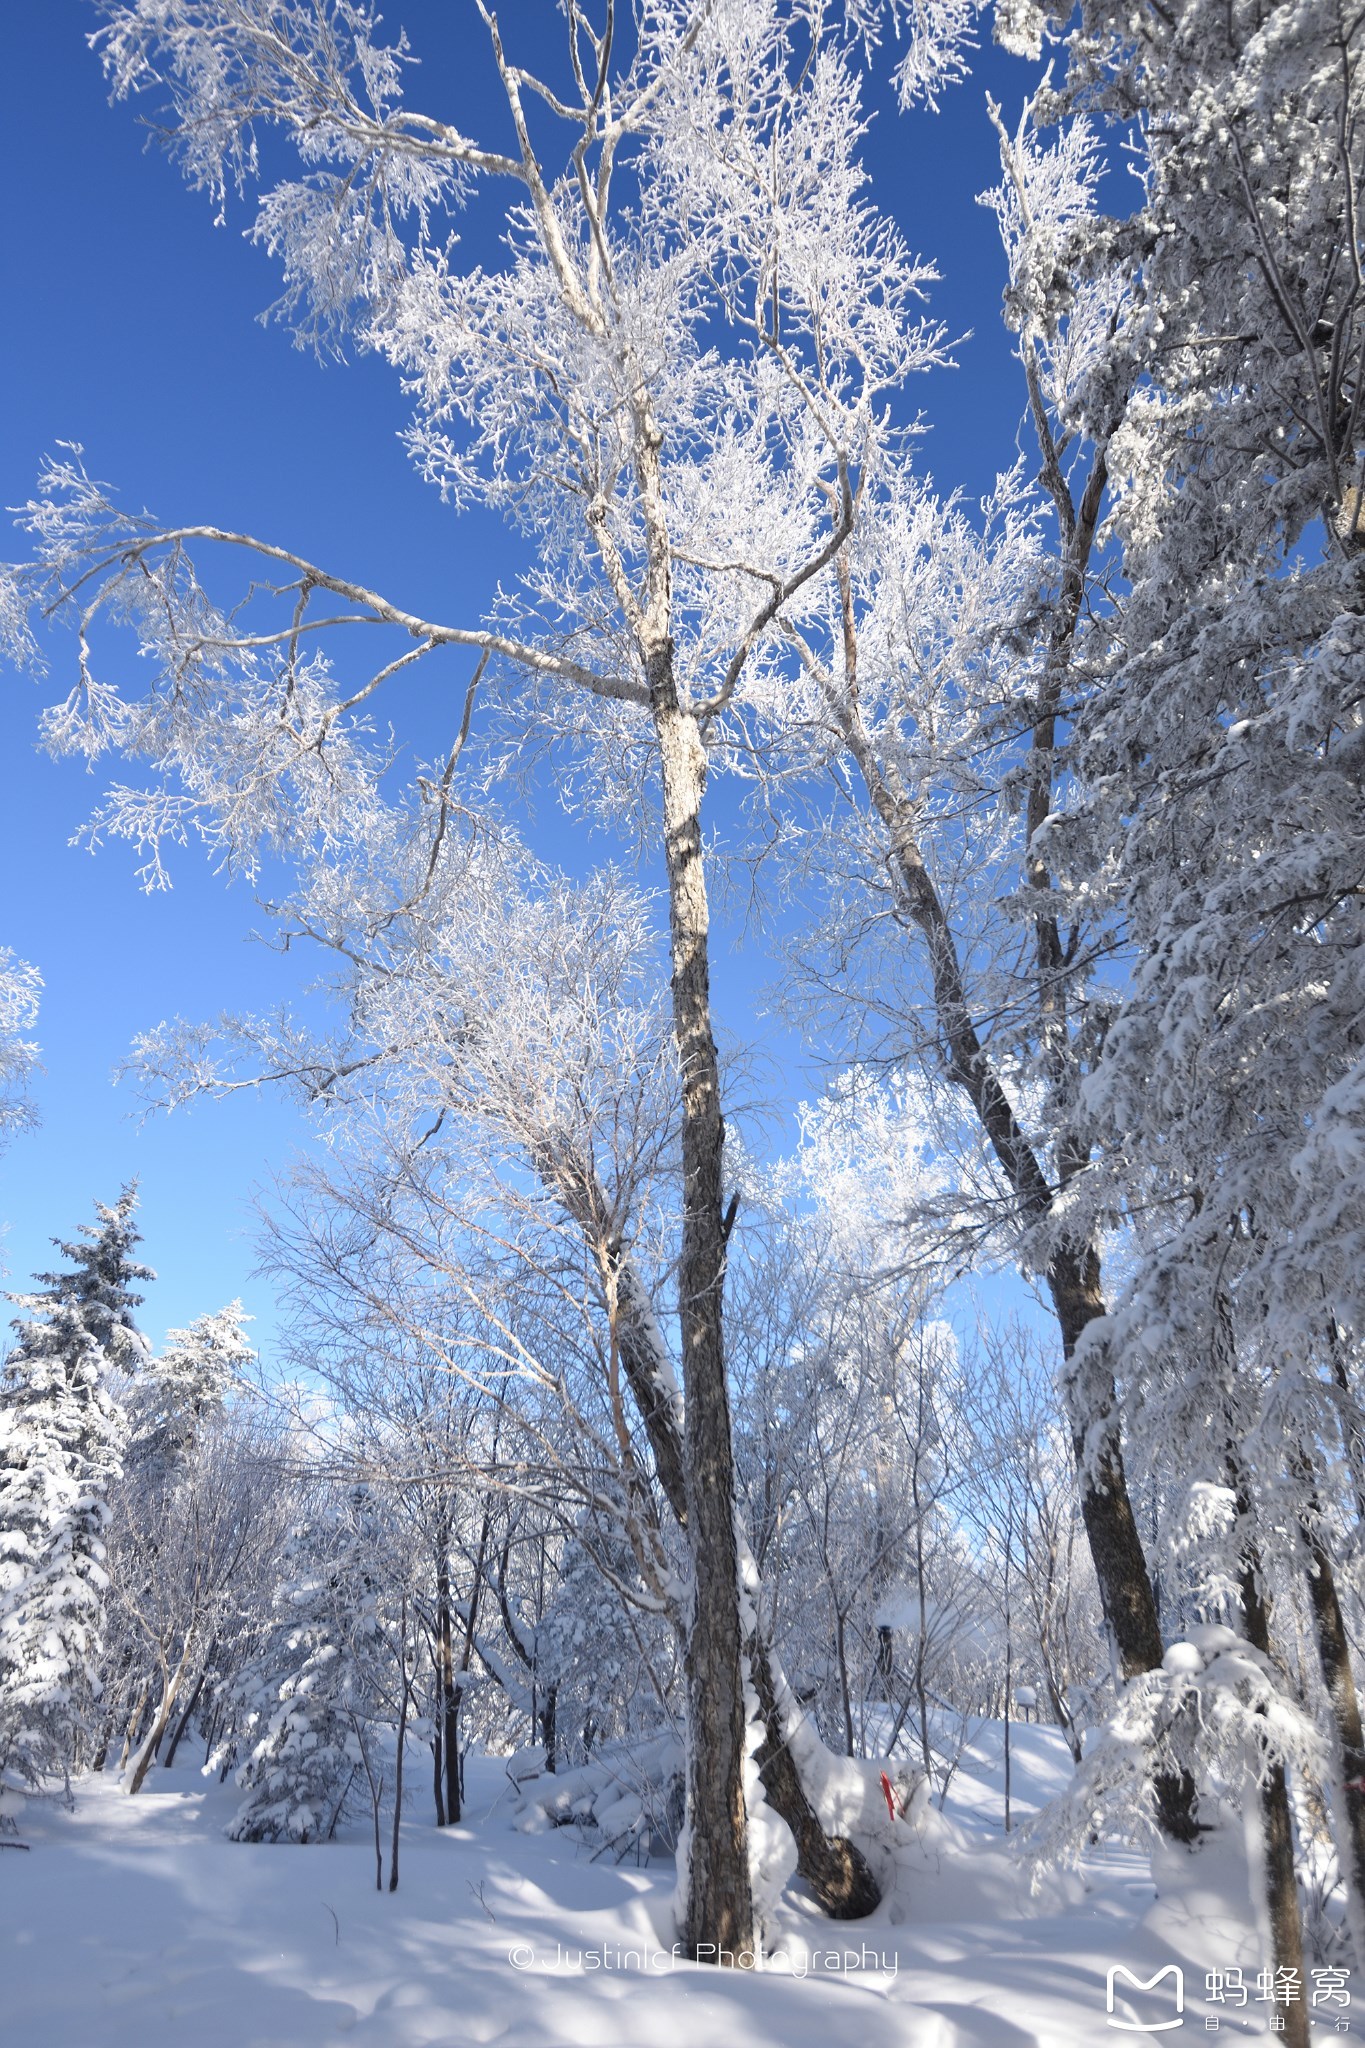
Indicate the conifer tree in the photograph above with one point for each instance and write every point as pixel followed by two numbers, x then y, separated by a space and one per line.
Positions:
pixel 60 1449
pixel 186 1386
pixel 310 1692
pixel 100 1284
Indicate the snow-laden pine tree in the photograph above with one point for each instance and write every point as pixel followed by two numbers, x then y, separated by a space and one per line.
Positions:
pixel 309 1700
pixel 61 1437
pixel 1222 753
pixel 184 1387
pixel 101 1283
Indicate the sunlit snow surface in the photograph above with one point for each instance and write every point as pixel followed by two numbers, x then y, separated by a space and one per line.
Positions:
pixel 133 1923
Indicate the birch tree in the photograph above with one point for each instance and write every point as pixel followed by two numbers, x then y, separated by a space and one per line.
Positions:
pixel 575 389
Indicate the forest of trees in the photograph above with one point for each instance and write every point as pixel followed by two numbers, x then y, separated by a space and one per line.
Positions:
pixel 600 1427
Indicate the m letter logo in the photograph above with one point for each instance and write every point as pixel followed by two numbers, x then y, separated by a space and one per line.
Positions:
pixel 1117 1970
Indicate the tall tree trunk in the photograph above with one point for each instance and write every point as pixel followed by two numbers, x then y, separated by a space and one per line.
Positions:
pixel 450 1750
pixel 437 1786
pixel 157 1726
pixel 1073 1272
pixel 406 1681
pixel 1338 1679
pixel 834 1868
pixel 454 1688
pixel 1126 1591
pixel 719 1922
pixel 134 1727
pixel 447 1699
pixel 183 1723
pixel 1282 1901
pixel 1277 1826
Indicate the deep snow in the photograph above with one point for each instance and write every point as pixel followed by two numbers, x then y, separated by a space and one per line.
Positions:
pixel 134 1921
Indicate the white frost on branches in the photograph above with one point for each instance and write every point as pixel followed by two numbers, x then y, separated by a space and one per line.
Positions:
pixel 19 987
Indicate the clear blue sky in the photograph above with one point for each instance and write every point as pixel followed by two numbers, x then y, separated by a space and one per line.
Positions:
pixel 131 327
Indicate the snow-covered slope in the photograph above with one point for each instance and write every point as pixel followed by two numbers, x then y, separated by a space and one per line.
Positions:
pixel 136 1924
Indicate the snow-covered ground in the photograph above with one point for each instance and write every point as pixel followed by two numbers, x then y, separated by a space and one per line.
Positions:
pixel 133 1923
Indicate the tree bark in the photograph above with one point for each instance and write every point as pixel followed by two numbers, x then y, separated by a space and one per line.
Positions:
pixel 406 1683
pixel 1073 1271
pixel 134 1727
pixel 1126 1593
pixel 447 1698
pixel 1282 1890
pixel 157 1726
pixel 1334 1660
pixel 835 1868
pixel 183 1723
pixel 719 1923
pixel 437 1788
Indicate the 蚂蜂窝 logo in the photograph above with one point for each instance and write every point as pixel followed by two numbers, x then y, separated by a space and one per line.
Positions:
pixel 1140 2026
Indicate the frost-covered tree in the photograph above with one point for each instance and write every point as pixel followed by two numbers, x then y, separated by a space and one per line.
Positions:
pixel 683 380
pixel 1219 802
pixel 61 1437
pixel 195 1522
pixel 307 1703
pixel 1221 797
pixel 935 663
pixel 19 986
pixel 571 386
pixel 184 1387
pixel 101 1283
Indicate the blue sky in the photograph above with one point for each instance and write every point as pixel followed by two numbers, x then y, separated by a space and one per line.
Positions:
pixel 132 327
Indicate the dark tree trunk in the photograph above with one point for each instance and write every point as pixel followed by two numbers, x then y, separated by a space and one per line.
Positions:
pixel 548 1730
pixel 1106 1506
pixel 437 1786
pixel 820 1858
pixel 1126 1592
pixel 719 1915
pixel 1282 1891
pixel 183 1723
pixel 1334 1659
pixel 834 1868
pixel 885 1659
pixel 406 1682
pixel 1282 1901
pixel 447 1700
pixel 450 1722
pixel 450 1749
pixel 1073 1274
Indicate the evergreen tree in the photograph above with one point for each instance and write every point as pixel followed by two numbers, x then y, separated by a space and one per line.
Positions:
pixel 100 1284
pixel 309 1695
pixel 186 1387
pixel 60 1448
